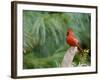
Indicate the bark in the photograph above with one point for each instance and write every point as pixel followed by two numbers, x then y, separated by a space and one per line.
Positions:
pixel 68 57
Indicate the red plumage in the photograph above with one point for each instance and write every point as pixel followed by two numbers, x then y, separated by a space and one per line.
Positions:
pixel 72 40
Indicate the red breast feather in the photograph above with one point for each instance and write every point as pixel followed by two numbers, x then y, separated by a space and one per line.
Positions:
pixel 71 40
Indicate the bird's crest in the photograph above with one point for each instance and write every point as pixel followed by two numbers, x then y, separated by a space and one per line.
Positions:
pixel 69 31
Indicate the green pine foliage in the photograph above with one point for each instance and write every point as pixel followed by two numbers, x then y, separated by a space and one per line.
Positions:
pixel 44 37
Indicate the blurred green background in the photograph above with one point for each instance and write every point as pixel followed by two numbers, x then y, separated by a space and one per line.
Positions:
pixel 44 38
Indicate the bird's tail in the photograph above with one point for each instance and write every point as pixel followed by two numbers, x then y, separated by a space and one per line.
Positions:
pixel 79 48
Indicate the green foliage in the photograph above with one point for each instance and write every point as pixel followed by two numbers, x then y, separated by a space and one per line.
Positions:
pixel 44 35
pixel 30 61
pixel 82 58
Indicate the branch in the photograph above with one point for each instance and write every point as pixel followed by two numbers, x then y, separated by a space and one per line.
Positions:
pixel 68 57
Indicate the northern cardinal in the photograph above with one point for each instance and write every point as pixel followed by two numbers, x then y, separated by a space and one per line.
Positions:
pixel 72 40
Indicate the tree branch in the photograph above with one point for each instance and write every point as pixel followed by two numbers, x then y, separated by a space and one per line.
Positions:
pixel 68 57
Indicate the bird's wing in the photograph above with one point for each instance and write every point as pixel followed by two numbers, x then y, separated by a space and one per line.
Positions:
pixel 72 41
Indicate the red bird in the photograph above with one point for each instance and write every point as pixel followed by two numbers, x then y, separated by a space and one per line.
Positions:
pixel 72 40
